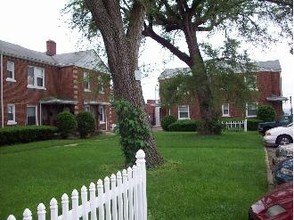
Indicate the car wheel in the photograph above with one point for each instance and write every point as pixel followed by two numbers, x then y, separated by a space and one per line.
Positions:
pixel 284 139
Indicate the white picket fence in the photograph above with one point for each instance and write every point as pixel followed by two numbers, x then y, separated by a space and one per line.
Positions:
pixel 236 125
pixel 120 197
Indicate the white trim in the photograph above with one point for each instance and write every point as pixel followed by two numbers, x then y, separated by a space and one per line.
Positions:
pixel 10 79
pixel 13 121
pixel 36 113
pixel 102 114
pixel 34 85
pixel 228 109
pixel 179 112
pixel 251 116
pixel 86 79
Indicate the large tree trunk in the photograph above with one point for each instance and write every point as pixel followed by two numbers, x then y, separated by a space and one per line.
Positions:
pixel 202 82
pixel 122 49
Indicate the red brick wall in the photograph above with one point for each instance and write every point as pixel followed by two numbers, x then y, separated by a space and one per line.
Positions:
pixel 65 83
pixel 17 92
pixel 268 84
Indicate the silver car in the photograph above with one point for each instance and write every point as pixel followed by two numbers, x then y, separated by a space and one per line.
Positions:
pixel 283 152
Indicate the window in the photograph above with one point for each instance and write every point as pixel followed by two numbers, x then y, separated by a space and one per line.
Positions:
pixel 251 82
pixel 10 71
pixel 102 114
pixel 100 85
pixel 226 110
pixel 183 112
pixel 86 82
pixel 11 114
pixel 87 108
pixel 36 77
pixel 251 110
pixel 32 115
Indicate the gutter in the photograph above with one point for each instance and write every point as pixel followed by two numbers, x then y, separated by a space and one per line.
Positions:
pixel 2 91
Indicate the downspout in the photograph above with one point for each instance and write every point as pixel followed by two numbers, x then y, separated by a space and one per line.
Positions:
pixel 2 92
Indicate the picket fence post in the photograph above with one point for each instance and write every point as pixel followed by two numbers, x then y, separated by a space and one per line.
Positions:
pixel 141 163
pixel 120 197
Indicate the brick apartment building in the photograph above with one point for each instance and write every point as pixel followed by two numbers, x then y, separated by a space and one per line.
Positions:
pixel 267 83
pixel 36 86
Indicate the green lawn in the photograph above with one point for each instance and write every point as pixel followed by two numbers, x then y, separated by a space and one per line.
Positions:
pixel 214 177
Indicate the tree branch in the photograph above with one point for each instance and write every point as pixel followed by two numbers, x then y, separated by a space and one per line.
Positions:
pixel 149 32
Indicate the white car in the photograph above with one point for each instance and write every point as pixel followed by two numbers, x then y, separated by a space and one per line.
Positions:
pixel 279 135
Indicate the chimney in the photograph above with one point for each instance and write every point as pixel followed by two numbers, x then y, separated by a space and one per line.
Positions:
pixel 51 47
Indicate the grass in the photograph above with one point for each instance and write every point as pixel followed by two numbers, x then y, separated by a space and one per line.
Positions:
pixel 214 177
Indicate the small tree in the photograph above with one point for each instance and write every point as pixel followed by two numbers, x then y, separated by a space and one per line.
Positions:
pixel 266 113
pixel 86 123
pixel 66 123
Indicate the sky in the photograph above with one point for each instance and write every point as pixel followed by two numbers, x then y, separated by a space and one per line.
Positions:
pixel 31 23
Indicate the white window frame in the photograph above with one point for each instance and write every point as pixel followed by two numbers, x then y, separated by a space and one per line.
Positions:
pixel 226 107
pixel 187 111
pixel 100 85
pixel 12 108
pixel 253 86
pixel 102 114
pixel 247 109
pixel 36 114
pixel 38 72
pixel 87 108
pixel 10 68
pixel 86 82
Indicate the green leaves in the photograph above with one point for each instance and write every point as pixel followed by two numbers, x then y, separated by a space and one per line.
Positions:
pixel 133 129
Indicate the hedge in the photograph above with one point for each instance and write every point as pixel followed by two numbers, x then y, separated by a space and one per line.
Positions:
pixel 24 134
pixel 184 125
pixel 252 124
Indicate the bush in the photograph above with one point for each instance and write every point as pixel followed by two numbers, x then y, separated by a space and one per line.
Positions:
pixel 86 123
pixel 213 126
pixel 66 123
pixel 252 124
pixel 167 121
pixel 266 113
pixel 183 125
pixel 24 134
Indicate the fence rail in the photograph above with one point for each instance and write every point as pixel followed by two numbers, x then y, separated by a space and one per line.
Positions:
pixel 120 197
pixel 236 125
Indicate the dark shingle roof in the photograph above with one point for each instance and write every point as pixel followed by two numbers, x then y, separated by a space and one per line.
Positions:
pixel 88 59
pixel 17 51
pixel 266 66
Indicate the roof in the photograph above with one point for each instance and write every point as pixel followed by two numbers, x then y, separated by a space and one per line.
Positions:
pixel 261 66
pixel 270 66
pixel 55 100
pixel 275 98
pixel 88 59
pixel 169 73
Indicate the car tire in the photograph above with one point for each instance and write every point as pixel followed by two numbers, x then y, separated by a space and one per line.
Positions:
pixel 284 139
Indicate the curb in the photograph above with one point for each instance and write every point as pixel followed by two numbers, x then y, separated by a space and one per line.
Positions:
pixel 270 178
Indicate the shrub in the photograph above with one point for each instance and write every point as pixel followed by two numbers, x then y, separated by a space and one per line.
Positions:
pixel 266 113
pixel 86 123
pixel 252 124
pixel 213 126
pixel 167 121
pixel 24 134
pixel 183 125
pixel 66 123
